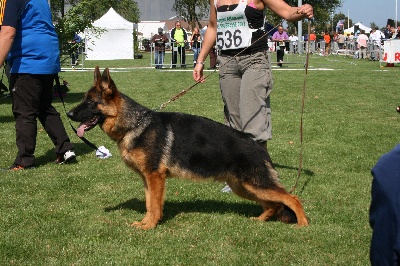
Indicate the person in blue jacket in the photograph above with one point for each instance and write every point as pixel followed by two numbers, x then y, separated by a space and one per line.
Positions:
pixel 384 216
pixel 29 43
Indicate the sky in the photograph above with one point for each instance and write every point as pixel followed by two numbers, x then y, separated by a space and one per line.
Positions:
pixel 368 11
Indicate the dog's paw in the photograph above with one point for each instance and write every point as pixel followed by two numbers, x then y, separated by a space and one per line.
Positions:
pixel 143 226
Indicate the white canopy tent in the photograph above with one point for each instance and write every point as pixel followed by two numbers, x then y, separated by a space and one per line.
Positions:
pixel 116 42
pixel 149 28
pixel 360 25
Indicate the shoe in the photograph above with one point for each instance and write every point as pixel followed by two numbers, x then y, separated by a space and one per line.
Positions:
pixel 17 167
pixel 226 189
pixel 68 156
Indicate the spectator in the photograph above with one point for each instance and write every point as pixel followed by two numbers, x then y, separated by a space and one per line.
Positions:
pixel 179 39
pixel 384 213
pixel 376 37
pixel 327 39
pixel 159 40
pixel 387 32
pixel 313 37
pixel 392 33
pixel 340 40
pixel 75 49
pixel 245 78
pixel 196 44
pixel 398 32
pixel 279 37
pixel 29 39
pixel 362 45
pixel 313 42
pixel 294 40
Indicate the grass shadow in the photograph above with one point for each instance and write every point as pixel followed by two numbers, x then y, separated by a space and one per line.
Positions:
pixel 172 209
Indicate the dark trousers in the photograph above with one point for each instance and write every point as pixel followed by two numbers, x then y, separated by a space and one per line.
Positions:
pixel 32 97
pixel 182 55
pixel 280 53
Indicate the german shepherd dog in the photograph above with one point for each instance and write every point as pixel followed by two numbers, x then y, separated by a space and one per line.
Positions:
pixel 158 145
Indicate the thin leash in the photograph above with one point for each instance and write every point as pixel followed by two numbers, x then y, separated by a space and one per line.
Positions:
pixel 87 142
pixel 303 96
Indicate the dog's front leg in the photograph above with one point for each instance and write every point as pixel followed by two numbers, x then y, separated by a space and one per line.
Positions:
pixel 154 191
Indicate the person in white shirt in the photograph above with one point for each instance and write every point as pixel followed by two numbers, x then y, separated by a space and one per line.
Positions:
pixel 293 40
pixel 376 36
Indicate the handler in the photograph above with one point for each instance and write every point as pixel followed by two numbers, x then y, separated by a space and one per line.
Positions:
pixel 29 39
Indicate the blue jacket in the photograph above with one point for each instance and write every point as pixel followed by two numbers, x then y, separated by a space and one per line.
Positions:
pixel 385 210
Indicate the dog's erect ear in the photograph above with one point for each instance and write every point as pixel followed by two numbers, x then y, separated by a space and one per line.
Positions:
pixel 108 83
pixel 106 75
pixel 97 76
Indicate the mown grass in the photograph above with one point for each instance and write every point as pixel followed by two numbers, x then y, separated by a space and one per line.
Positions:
pixel 79 214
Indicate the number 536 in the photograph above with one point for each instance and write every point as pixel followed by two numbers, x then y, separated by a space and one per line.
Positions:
pixel 228 39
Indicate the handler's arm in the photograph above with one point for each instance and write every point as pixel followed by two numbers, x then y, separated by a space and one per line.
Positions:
pixel 208 43
pixel 288 12
pixel 7 35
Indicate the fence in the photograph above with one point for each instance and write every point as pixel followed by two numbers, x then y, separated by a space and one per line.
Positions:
pixel 173 56
pixel 374 52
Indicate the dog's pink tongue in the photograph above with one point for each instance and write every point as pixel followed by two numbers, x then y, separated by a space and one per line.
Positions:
pixel 81 131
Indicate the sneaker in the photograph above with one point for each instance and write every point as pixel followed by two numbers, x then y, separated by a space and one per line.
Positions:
pixel 17 167
pixel 226 189
pixel 68 156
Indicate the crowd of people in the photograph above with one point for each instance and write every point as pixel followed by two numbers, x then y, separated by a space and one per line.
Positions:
pixel 362 44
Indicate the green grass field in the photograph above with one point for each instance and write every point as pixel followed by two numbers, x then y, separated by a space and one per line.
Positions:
pixel 79 214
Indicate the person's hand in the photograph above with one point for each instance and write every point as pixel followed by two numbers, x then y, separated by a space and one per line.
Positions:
pixel 198 73
pixel 306 10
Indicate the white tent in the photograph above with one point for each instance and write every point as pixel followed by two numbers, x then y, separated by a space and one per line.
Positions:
pixel 149 28
pixel 360 25
pixel 116 42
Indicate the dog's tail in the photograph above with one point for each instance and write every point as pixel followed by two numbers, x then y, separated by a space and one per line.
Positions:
pixel 285 215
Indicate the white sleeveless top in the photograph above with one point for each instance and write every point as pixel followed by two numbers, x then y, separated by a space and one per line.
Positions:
pixel 233 29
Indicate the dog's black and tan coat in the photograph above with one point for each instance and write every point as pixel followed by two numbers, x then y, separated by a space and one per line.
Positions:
pixel 166 144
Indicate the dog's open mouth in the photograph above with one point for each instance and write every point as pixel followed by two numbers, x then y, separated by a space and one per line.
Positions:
pixel 87 125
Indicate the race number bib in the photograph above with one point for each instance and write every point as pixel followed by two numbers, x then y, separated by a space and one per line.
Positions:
pixel 233 31
pixel 233 35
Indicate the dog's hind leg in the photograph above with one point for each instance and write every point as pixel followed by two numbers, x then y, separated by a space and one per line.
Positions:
pixel 154 192
pixel 271 200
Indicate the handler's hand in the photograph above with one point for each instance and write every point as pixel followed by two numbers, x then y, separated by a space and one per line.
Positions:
pixel 306 10
pixel 198 73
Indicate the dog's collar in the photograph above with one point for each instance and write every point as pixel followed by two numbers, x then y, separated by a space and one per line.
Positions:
pixel 143 116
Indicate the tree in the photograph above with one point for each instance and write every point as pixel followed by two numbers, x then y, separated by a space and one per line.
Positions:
pixel 192 11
